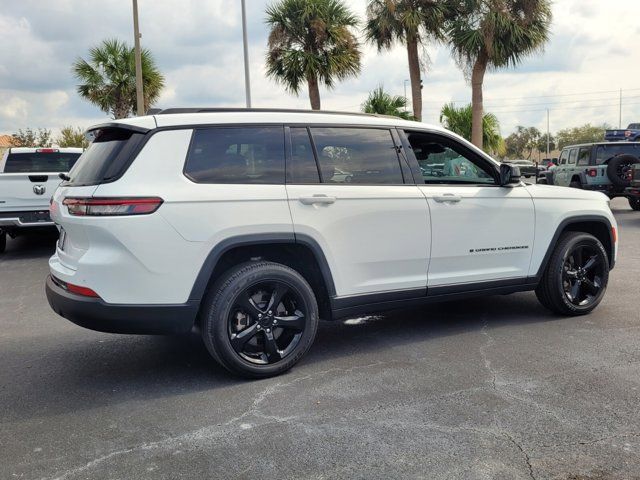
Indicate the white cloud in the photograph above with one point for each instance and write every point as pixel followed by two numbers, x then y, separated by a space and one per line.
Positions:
pixel 197 44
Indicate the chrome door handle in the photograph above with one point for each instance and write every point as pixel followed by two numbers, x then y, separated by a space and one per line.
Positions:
pixel 317 199
pixel 447 197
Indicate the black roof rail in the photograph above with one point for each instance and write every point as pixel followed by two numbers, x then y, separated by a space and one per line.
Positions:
pixel 276 110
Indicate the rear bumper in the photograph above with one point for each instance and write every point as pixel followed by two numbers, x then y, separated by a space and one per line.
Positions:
pixel 26 219
pixel 96 314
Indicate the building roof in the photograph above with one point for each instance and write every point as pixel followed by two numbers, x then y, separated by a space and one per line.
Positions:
pixel 6 141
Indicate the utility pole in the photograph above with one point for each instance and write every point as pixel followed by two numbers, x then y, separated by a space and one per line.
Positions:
pixel 620 118
pixel 247 80
pixel 548 134
pixel 138 58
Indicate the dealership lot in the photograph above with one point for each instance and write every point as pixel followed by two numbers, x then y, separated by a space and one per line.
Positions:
pixel 494 387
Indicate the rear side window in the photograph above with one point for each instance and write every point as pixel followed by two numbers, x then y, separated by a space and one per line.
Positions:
pixel 357 155
pixel 51 161
pixel 107 157
pixel 572 155
pixel 583 156
pixel 253 155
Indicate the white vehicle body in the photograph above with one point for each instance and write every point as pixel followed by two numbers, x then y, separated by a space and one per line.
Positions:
pixel 376 245
pixel 25 194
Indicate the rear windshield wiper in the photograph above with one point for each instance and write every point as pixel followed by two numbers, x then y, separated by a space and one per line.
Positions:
pixel 64 176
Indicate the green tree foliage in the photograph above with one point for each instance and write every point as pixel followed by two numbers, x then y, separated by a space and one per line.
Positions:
pixel 383 103
pixel 495 34
pixel 312 42
pixel 108 78
pixel 32 138
pixel 459 120
pixel 583 134
pixel 410 23
pixel 522 142
pixel 72 137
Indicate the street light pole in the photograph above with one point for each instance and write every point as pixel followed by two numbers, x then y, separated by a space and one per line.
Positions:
pixel 548 134
pixel 247 80
pixel 138 59
pixel 406 100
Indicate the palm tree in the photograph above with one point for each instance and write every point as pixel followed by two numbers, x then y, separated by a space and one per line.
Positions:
pixel 409 22
pixel 383 103
pixel 311 41
pixel 459 120
pixel 495 34
pixel 108 79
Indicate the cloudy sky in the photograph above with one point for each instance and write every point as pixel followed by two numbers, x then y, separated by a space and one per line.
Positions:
pixel 198 45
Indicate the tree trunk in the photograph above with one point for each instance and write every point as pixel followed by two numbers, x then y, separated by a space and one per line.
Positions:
pixel 477 108
pixel 414 75
pixel 314 93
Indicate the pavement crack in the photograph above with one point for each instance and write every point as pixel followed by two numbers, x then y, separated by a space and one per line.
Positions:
pixel 593 441
pixel 489 343
pixel 524 453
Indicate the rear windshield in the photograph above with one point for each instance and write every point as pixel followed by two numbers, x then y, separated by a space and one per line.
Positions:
pixel 40 162
pixel 605 152
pixel 106 158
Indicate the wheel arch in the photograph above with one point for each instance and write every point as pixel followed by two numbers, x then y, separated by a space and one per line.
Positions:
pixel 300 252
pixel 598 226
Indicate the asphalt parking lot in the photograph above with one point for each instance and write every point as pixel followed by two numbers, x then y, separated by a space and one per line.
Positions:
pixel 491 388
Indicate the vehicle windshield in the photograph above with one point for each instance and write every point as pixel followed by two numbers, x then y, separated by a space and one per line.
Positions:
pixel 634 126
pixel 40 162
pixel 605 152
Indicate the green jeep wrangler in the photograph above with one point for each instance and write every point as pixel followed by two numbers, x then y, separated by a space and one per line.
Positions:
pixel 604 166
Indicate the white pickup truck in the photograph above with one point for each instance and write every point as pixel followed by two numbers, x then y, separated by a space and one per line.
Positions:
pixel 28 178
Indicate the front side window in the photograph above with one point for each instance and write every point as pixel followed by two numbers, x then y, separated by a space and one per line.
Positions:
pixel 357 155
pixel 563 157
pixel 443 161
pixel 253 155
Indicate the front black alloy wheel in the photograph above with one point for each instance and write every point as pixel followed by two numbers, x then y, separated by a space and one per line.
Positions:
pixel 576 276
pixel 259 319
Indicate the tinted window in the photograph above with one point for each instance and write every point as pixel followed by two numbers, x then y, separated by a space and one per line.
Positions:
pixel 40 162
pixel 605 152
pixel 563 157
pixel 106 158
pixel 357 155
pixel 303 161
pixel 237 155
pixel 572 155
pixel 583 156
pixel 444 161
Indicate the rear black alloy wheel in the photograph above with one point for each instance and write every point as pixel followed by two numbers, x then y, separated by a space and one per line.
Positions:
pixel 3 241
pixel 259 319
pixel 575 279
pixel 266 322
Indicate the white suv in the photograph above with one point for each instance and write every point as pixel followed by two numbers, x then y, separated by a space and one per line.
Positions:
pixel 252 224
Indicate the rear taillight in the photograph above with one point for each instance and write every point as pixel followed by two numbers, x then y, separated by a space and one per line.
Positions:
pixel 592 172
pixel 77 289
pixel 101 207
pixel 47 150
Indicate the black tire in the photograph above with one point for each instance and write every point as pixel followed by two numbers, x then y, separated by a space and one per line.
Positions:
pixel 634 203
pixel 556 290
pixel 233 305
pixel 618 168
pixel 3 241
pixel 542 181
pixel 575 184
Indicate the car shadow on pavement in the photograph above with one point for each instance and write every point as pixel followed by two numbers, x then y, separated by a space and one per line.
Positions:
pixel 75 369
pixel 39 243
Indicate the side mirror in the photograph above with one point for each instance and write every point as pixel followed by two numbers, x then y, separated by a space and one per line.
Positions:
pixel 509 174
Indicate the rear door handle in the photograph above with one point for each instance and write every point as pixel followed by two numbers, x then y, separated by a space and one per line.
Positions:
pixel 447 197
pixel 317 199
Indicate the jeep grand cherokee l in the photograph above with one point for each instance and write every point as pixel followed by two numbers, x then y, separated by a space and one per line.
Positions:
pixel 250 225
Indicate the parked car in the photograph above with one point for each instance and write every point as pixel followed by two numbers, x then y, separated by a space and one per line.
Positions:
pixel 630 134
pixel 527 168
pixel 602 166
pixel 233 223
pixel 634 188
pixel 28 178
